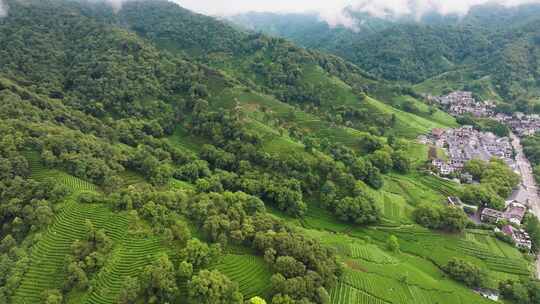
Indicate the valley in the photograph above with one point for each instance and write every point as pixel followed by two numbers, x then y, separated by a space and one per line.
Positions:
pixel 152 154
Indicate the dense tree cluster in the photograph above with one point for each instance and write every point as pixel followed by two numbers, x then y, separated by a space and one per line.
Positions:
pixel 155 284
pixel 241 166
pixel 531 224
pixel 466 272
pixel 288 75
pixel 360 208
pixel 209 287
pixel 524 291
pixel 52 296
pixel 482 195
pixel 27 208
pixel 87 257
pixel 302 266
pixel 444 218
pixel 497 182
pixel 531 148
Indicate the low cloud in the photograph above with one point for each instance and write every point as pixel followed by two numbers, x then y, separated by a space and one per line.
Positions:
pixel 410 8
pixel 337 18
pixel 421 7
pixel 336 12
pixel 3 9
pixel 116 4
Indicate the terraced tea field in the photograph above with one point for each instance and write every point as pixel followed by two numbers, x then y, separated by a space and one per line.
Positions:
pixel 493 255
pixel 40 172
pixel 407 124
pixel 370 253
pixel 250 272
pixel 387 289
pixel 495 262
pixel 346 294
pixel 48 255
pixel 361 287
pixel 127 260
pixel 416 188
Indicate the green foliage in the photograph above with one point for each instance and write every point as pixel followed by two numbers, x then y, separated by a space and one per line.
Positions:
pixel 476 168
pixel 401 162
pixel 444 218
pixel 360 210
pixel 256 300
pixel 497 182
pixel 392 243
pixel 158 280
pixel 481 195
pixel 289 267
pixel 199 254
pixel 208 287
pixel 52 297
pixel 500 177
pixel 382 160
pixel 87 257
pixel 531 224
pixel 465 272
pixel 531 148
pixel 185 270
pixel 524 291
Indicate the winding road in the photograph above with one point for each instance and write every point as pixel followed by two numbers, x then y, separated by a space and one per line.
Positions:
pixel 529 183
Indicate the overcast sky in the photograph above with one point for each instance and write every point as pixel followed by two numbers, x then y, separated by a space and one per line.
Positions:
pixel 331 10
pixel 3 9
pixel 224 7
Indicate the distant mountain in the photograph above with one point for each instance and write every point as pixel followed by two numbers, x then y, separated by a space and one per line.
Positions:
pixel 491 42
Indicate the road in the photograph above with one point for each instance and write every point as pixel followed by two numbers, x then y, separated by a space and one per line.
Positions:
pixel 529 183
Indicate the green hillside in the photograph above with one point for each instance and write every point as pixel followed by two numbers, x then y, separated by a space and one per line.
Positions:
pixel 154 155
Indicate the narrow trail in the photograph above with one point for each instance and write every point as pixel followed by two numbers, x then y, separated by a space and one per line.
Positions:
pixel 529 184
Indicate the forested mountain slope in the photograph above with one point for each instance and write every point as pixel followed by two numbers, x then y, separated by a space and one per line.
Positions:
pixel 492 49
pixel 314 81
pixel 154 155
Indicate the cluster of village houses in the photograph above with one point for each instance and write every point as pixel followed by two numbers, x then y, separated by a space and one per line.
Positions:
pixel 460 102
pixel 521 124
pixel 514 213
pixel 465 143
